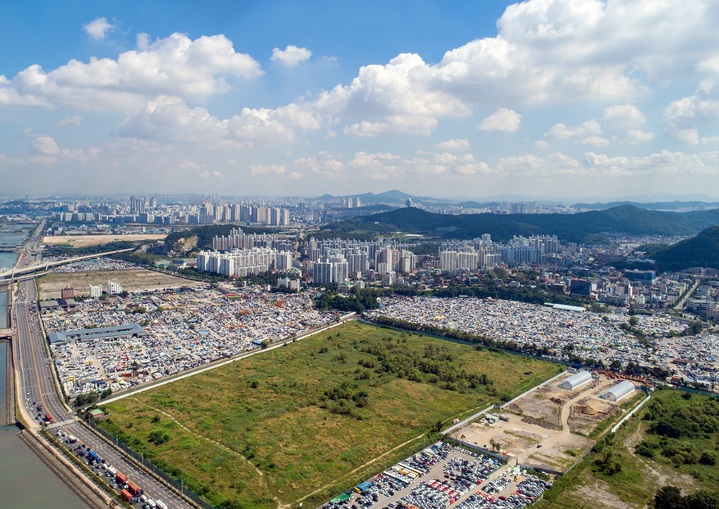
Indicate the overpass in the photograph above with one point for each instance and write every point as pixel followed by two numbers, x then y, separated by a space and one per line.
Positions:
pixel 14 272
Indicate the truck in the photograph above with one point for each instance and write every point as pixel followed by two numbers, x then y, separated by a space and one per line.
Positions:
pixel 121 478
pixel 71 439
pixel 161 504
pixel 126 495
pixel 134 488
pixel 93 457
pixel 49 418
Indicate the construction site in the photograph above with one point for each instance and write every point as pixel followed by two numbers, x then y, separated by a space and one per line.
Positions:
pixel 551 426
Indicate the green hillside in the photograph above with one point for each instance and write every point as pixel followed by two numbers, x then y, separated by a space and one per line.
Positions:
pixel 568 227
pixel 699 251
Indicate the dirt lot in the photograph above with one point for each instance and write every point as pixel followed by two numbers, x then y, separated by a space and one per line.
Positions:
pixel 98 240
pixel 544 426
pixel 130 279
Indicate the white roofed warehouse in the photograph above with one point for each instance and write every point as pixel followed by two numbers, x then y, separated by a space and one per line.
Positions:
pixel 619 391
pixel 576 380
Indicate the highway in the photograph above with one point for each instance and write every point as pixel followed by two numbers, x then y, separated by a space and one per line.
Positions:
pixel 31 269
pixel 37 387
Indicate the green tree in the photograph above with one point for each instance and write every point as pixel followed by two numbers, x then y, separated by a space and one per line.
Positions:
pixel 669 497
pixel 702 499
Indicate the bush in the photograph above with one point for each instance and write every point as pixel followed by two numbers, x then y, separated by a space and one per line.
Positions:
pixel 158 437
pixel 708 458
pixel 645 449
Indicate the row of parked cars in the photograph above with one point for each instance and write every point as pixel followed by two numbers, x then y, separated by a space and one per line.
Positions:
pixel 439 477
pixel 471 471
pixel 432 495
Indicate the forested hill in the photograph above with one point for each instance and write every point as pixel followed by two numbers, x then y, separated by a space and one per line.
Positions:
pixel 699 251
pixel 568 227
pixel 201 237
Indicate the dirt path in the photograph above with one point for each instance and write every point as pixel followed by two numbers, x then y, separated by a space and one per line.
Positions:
pixel 370 462
pixel 214 442
pixel 558 438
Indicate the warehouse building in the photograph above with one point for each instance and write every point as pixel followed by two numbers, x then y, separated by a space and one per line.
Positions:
pixel 619 391
pixel 577 380
pixel 114 332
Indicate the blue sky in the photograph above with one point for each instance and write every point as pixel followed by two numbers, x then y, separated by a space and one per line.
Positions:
pixel 545 98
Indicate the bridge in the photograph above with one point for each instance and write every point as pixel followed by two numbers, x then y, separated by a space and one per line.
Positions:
pixel 8 248
pixel 13 273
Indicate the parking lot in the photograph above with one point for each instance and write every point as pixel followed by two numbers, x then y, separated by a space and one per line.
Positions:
pixel 441 476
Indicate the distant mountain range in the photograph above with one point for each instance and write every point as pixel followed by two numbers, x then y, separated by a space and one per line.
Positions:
pixel 398 197
pixel 678 206
pixel 578 227
pixel 388 197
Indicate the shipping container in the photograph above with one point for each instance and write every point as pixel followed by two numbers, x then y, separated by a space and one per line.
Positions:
pixel 126 495
pixel 134 488
pixel 121 478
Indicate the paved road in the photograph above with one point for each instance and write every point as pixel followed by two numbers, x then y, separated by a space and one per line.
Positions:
pixel 37 387
pixel 28 268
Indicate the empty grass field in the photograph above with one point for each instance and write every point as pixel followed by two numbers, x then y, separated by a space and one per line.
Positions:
pixel 51 285
pixel 304 421
pixel 99 240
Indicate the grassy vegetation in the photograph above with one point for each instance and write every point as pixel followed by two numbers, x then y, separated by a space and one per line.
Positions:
pixel 309 416
pixel 131 279
pixel 674 441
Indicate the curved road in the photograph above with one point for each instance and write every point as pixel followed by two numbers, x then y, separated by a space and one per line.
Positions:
pixel 37 387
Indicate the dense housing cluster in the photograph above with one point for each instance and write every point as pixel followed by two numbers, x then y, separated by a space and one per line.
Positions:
pixel 563 334
pixel 184 329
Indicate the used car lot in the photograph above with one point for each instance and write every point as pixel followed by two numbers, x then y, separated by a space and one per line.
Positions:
pixel 441 476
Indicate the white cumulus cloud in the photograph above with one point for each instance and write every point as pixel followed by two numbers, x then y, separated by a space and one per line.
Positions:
pixel 176 65
pixel 597 141
pixel 504 120
pixel 460 145
pixel 639 136
pixel 685 116
pixel 623 116
pixel 560 131
pixel 98 28
pixel 70 121
pixel 267 169
pixel 291 55
pixel 46 146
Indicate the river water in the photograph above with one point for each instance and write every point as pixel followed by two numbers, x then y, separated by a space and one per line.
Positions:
pixel 25 481
pixel 12 233
pixel 9 234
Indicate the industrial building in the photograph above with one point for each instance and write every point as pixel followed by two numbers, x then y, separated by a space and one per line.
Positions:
pixel 114 332
pixel 577 380
pixel 619 391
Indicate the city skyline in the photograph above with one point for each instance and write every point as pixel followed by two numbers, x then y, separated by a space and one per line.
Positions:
pixel 540 99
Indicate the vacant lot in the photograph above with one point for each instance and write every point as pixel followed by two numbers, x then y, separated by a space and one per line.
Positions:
pixel 545 427
pixel 98 240
pixel 673 441
pixel 306 418
pixel 130 279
